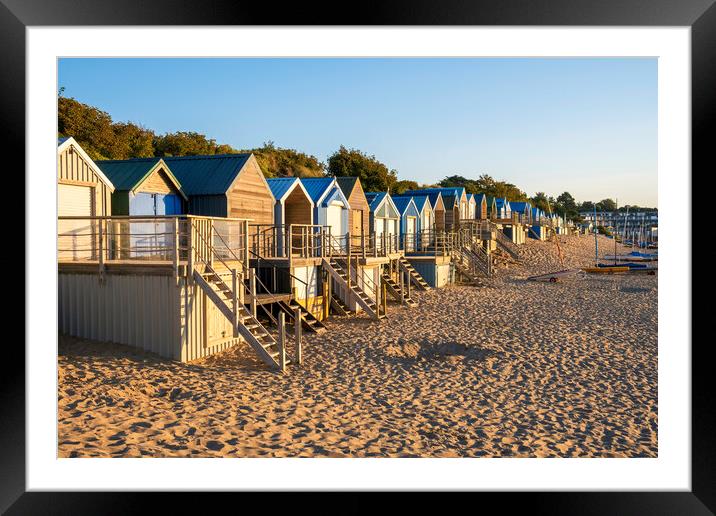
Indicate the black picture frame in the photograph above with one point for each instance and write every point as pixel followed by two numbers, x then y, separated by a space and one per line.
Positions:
pixel 16 15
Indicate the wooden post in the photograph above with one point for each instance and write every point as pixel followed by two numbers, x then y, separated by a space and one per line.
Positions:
pixel 210 243
pixel 402 292
pixel 101 249
pixel 326 298
pixel 289 245
pixel 362 243
pixel 282 340
pixel 383 298
pixel 190 250
pixel 175 256
pixel 235 301
pixel 252 281
pixel 297 329
pixel 407 286
pixel 348 264
pixel 246 242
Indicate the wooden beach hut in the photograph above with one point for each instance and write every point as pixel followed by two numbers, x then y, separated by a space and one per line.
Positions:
pixel 384 219
pixel 293 207
pixel 492 212
pixel 522 209
pixel 83 190
pixel 481 210
pixel 452 200
pixel 225 185
pixel 503 208
pixel 359 214
pixel 426 220
pixel 330 208
pixel 471 207
pixel 144 187
pixel 409 222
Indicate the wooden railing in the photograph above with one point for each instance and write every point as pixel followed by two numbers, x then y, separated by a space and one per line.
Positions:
pixel 135 239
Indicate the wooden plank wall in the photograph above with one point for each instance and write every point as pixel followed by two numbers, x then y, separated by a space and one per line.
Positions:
pixel 72 169
pixel 358 201
pixel 297 208
pixel 158 182
pixel 250 197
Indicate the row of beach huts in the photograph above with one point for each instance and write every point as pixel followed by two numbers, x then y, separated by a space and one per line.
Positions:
pixel 189 256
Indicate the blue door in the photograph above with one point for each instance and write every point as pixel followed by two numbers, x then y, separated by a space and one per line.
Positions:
pixel 168 204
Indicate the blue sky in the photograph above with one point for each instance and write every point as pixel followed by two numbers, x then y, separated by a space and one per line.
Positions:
pixel 587 126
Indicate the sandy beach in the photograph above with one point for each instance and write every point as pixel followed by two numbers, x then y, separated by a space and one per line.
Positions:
pixel 514 369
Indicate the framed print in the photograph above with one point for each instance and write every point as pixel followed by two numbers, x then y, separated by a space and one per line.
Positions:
pixel 416 250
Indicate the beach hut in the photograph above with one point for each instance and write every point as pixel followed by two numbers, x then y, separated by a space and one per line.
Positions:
pixel 471 206
pixel 293 206
pixel 144 187
pixel 481 211
pixel 454 200
pixel 359 214
pixel 492 212
pixel 330 208
pixel 384 219
pixel 438 207
pixel 522 209
pixel 427 218
pixel 83 190
pixel 225 185
pixel 503 208
pixel 409 222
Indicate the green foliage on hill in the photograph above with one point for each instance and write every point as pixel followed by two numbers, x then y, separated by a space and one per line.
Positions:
pixel 487 185
pixel 374 175
pixel 102 138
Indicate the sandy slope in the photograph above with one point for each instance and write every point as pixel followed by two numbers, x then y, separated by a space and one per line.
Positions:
pixel 516 369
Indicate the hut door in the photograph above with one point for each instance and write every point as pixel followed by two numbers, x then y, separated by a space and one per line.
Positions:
pixel 357 228
pixel 334 219
pixel 410 234
pixel 76 236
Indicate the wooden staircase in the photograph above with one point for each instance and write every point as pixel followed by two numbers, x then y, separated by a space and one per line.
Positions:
pixel 465 266
pixel 308 321
pixel 339 307
pixel 339 274
pixel 244 323
pixel 479 259
pixel 415 277
pixel 506 244
pixel 393 288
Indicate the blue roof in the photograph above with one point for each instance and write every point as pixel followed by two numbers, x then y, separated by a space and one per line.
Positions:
pixel 280 185
pixel 316 186
pixel 60 141
pixel 479 197
pixel 519 206
pixel 420 201
pixel 374 199
pixel 457 191
pixel 402 203
pixel 207 175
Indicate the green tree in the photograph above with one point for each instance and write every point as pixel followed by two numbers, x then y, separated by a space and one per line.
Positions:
pixel 400 187
pixel 540 200
pixel 374 175
pixel 606 205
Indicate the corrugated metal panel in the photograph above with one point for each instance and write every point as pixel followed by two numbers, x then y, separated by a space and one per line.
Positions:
pixel 208 205
pixel 207 175
pixel 149 312
pixel 347 184
pixel 317 186
pixel 280 185
pixel 127 173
